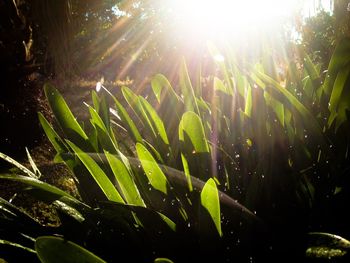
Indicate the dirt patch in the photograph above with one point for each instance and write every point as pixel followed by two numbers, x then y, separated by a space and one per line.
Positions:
pixel 52 173
pixel 43 155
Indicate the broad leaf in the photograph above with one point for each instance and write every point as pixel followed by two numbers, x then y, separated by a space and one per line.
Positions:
pixel 52 249
pixel 37 184
pixel 192 126
pixel 156 121
pixel 98 174
pixel 65 117
pixel 53 137
pixel 18 165
pixel 187 89
pixel 210 201
pixel 153 172
pixel 125 180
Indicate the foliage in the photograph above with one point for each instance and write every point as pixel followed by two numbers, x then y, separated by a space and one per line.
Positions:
pixel 319 35
pixel 191 173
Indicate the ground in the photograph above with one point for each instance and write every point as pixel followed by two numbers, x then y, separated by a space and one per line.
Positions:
pixel 43 155
pixel 75 93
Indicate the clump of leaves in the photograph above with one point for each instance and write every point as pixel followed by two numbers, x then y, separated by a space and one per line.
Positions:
pixel 181 169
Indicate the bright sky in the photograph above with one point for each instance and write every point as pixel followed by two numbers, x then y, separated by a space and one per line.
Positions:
pixel 229 17
pixel 311 7
pixel 232 18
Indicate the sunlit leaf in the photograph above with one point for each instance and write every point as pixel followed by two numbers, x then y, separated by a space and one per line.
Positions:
pixel 13 244
pixel 159 83
pixel 220 86
pixel 18 165
pixel 33 165
pixel 127 121
pixel 248 102
pixel 65 117
pixel 220 61
pixel 98 174
pixel 187 172
pixel 168 221
pixel 125 180
pixel 192 126
pixel 37 184
pixel 130 125
pixel 276 106
pixel 337 94
pixel 153 172
pixel 311 68
pixel 156 121
pixel 135 102
pixel 187 89
pixel 339 60
pixel 308 119
pixel 210 201
pixel 103 134
pixel 163 260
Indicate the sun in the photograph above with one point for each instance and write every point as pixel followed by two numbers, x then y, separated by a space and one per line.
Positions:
pixel 228 18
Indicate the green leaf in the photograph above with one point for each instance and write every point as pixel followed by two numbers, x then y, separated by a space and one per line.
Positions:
pixel 101 106
pixel 221 63
pixel 327 246
pixel 130 97
pixel 153 172
pixel 13 244
pixel 220 86
pixel 160 82
pixel 18 165
pixel 65 118
pixel 125 117
pixel 336 95
pixel 37 184
pixel 187 89
pixel 130 125
pixel 339 60
pixel 33 165
pixel 192 126
pixel 168 221
pixel 98 174
pixel 311 68
pixel 103 134
pixel 187 172
pixel 308 119
pixel 133 100
pixel 135 104
pixel 163 260
pixel 156 121
pixel 53 137
pixel 125 180
pixel 210 201
pixel 276 106
pixel 52 249
pixel 248 102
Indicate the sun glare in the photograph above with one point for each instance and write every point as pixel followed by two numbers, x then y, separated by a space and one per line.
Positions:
pixel 229 18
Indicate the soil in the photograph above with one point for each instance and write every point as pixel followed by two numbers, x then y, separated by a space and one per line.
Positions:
pixel 75 94
pixel 43 156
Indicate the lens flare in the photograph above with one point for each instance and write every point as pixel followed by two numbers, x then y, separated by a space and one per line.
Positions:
pixel 206 18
